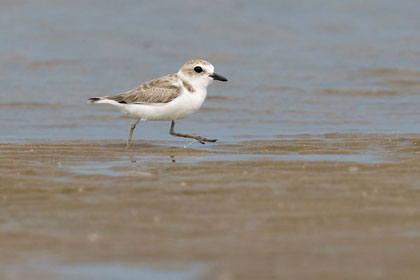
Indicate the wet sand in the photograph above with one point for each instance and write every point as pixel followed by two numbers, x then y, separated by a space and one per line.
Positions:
pixel 231 212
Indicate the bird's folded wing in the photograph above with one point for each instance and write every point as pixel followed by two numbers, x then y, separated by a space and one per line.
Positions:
pixel 161 90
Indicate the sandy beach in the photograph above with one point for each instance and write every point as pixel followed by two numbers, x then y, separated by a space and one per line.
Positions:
pixel 255 210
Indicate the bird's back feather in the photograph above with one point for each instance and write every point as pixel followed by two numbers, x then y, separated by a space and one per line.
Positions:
pixel 160 90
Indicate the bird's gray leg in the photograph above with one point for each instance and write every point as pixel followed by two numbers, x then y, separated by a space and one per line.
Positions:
pixel 200 139
pixel 132 127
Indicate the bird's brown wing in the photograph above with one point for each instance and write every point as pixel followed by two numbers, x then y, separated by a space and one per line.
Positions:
pixel 161 90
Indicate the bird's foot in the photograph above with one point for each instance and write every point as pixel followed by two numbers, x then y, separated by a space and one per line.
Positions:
pixel 203 140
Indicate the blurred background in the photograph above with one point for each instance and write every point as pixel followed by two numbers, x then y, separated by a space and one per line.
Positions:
pixel 293 66
pixel 315 175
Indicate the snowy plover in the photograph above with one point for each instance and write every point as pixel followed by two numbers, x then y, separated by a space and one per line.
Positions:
pixel 168 98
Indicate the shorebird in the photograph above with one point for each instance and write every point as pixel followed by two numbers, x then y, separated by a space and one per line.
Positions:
pixel 168 98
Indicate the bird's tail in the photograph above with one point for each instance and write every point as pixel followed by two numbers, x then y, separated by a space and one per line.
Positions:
pixel 94 99
pixel 105 100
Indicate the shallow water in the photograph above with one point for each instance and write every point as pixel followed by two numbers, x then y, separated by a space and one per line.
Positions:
pixel 102 271
pixel 134 164
pixel 316 170
pixel 292 69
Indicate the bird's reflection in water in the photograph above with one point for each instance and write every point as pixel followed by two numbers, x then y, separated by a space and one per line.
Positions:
pixel 133 160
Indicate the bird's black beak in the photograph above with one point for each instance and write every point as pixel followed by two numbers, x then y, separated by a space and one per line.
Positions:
pixel 218 77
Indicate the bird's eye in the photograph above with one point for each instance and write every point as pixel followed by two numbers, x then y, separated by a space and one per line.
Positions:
pixel 198 69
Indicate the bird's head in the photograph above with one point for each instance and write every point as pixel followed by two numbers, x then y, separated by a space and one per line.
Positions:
pixel 199 73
